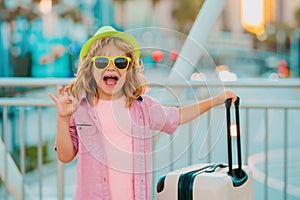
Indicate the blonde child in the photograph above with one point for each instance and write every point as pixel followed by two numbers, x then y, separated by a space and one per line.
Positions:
pixel 104 117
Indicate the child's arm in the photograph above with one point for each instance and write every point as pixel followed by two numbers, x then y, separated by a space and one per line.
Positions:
pixel 64 144
pixel 65 108
pixel 190 112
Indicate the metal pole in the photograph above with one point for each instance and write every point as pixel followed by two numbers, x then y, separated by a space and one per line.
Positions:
pixel 209 136
pixel 190 141
pixel 266 154
pixel 40 153
pixel 5 175
pixel 191 51
pixel 285 155
pixel 22 149
pixel 247 135
pixel 60 181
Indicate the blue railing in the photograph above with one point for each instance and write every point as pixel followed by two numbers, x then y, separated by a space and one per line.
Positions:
pixel 269 113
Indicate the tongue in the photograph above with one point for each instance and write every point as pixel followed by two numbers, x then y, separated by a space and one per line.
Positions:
pixel 111 81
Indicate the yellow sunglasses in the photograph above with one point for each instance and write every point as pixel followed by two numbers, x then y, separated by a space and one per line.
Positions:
pixel 119 62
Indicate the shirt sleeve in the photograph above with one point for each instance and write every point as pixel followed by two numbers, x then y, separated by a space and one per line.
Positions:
pixel 73 133
pixel 163 118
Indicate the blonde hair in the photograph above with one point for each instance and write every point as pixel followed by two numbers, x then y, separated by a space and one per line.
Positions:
pixel 135 82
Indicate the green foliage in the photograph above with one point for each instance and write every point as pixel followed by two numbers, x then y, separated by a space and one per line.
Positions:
pixel 297 15
pixel 185 13
pixel 31 157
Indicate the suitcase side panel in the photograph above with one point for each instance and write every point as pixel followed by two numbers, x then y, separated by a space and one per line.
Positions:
pixel 170 185
pixel 213 186
pixel 218 185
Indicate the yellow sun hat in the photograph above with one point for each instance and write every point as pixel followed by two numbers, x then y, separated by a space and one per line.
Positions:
pixel 108 31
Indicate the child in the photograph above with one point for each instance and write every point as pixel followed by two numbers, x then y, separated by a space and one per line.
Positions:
pixel 104 118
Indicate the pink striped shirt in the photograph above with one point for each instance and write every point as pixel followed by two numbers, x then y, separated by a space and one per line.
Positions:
pixel 92 172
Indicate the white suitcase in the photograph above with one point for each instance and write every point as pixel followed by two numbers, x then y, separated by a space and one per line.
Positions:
pixel 210 181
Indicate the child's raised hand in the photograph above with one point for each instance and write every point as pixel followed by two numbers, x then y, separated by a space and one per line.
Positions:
pixel 64 102
pixel 220 99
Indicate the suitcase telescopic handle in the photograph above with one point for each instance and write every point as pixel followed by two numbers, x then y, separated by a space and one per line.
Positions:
pixel 228 103
pixel 239 176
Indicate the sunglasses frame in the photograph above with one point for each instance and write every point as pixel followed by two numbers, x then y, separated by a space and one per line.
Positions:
pixel 111 59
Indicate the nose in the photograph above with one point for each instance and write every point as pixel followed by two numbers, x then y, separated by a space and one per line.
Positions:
pixel 110 66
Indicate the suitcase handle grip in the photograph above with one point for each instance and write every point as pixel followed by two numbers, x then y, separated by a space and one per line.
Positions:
pixel 228 103
pixel 213 168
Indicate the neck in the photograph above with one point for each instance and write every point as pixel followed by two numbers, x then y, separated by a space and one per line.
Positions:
pixel 111 97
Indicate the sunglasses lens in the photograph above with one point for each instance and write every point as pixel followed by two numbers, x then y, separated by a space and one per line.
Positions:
pixel 121 63
pixel 101 62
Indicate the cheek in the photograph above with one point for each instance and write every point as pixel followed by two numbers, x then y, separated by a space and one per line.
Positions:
pixel 97 75
pixel 121 81
pixel 123 77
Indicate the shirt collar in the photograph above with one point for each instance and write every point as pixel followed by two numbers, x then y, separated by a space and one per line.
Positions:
pixel 83 96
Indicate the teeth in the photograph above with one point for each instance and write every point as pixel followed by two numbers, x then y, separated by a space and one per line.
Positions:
pixel 111 79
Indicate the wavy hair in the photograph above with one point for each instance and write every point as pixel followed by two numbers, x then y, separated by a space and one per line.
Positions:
pixel 85 82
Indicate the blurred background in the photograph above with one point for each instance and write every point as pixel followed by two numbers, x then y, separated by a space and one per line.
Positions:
pixel 191 49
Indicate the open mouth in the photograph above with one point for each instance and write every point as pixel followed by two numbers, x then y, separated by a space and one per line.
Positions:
pixel 110 80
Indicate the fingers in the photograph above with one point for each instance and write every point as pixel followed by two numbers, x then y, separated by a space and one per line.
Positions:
pixel 70 99
pixel 61 92
pixel 66 91
pixel 231 95
pixel 52 97
pixel 75 107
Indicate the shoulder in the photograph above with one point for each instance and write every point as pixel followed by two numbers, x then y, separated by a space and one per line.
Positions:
pixel 144 103
pixel 146 100
pixel 83 107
